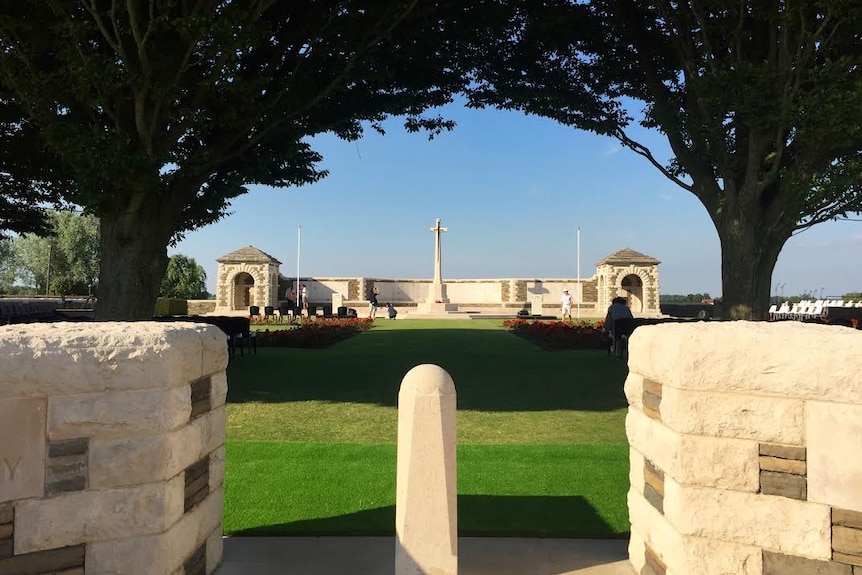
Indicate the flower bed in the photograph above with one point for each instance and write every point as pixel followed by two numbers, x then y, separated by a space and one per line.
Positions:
pixel 554 335
pixel 315 333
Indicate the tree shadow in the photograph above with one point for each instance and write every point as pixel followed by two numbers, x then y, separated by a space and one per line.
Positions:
pixel 566 516
pixel 493 370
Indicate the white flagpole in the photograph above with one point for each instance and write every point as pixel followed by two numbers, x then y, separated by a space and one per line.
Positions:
pixel 580 289
pixel 298 291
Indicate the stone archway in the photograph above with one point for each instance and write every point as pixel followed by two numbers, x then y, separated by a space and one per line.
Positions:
pixel 633 286
pixel 243 292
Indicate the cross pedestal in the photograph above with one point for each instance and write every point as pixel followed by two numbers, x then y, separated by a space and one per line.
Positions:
pixel 437 301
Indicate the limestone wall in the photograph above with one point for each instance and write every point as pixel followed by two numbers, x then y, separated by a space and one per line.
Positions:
pixel 746 449
pixel 111 448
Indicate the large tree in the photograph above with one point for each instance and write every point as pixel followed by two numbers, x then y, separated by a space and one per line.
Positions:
pixel 760 101
pixel 184 279
pixel 63 262
pixel 165 110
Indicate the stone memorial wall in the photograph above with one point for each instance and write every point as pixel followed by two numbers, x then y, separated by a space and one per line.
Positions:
pixel 111 448
pixel 746 449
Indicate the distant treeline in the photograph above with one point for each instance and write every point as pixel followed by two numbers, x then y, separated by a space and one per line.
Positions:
pixel 678 298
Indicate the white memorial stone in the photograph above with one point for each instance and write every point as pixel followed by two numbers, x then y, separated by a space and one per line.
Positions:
pixel 337 302
pixel 536 300
pixel 426 516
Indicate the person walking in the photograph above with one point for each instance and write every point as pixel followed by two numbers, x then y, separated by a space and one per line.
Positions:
pixel 566 301
pixel 393 313
pixel 372 303
pixel 304 299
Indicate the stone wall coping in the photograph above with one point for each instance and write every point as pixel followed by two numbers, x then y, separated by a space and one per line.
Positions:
pixel 756 358
pixel 68 358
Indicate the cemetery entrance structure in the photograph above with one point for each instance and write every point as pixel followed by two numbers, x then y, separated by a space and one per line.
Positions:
pixel 246 277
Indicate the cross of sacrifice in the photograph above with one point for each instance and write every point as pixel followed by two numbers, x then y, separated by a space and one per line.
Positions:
pixel 438 275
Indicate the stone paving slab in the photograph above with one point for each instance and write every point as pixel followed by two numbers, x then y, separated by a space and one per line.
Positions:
pixel 376 556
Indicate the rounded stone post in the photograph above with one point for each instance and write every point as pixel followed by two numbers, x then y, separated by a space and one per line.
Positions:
pixel 426 513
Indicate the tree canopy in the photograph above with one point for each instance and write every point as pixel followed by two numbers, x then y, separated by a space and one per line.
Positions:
pixel 184 279
pixel 65 262
pixel 759 103
pixel 162 112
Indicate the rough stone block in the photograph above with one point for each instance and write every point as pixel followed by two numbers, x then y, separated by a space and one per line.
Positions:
pixel 44 562
pixel 654 562
pixel 118 414
pixel 782 465
pixel 725 463
pixel 654 497
pixel 654 477
pixel 848 559
pixel 22 448
pixel 847 540
pixel 653 439
pixel 784 564
pixel 783 484
pixel 655 529
pixel 68 447
pixel 713 557
pixel 87 516
pixel 843 517
pixel 217 467
pixel 706 356
pixel 634 390
pixel 652 405
pixel 769 522
pixel 6 530
pixel 66 358
pixel 218 391
pixel 129 461
pixel 162 553
pixel 769 419
pixel 215 548
pixel 834 435
pixel 783 451
pixel 7 513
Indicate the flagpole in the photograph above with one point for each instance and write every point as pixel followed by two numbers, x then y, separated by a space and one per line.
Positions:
pixel 580 289
pixel 298 247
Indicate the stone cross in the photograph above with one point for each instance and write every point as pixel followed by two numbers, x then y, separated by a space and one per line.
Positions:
pixel 438 274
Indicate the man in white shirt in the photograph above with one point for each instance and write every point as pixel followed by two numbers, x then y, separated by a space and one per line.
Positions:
pixel 567 301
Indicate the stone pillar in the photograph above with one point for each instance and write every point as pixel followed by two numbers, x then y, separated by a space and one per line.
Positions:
pixel 337 301
pixel 426 516
pixel 746 449
pixel 111 448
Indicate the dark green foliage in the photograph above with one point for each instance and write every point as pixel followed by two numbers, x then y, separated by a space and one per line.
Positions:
pixel 759 103
pixel 163 112
pixel 184 279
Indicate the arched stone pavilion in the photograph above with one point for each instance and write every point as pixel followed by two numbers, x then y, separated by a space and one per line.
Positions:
pixel 632 275
pixel 246 277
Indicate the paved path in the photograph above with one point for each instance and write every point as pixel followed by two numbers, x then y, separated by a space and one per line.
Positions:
pixel 376 556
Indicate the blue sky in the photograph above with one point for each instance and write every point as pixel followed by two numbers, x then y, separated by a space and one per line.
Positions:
pixel 512 191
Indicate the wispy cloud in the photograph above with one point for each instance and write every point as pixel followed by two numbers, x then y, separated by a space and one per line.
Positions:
pixel 817 244
pixel 667 196
pixel 854 238
pixel 611 149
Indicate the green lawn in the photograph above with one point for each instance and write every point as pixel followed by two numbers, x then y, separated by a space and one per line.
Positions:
pixel 542 448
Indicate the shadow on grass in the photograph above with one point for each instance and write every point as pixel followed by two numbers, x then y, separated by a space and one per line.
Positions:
pixel 510 516
pixel 493 370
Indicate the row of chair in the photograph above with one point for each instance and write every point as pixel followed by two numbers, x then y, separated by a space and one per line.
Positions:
pixel 286 311
pixel 807 309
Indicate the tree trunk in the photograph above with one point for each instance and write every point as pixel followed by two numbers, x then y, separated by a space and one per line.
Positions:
pixel 748 257
pixel 134 258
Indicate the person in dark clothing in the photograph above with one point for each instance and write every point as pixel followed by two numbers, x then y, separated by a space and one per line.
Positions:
pixel 372 303
pixel 392 311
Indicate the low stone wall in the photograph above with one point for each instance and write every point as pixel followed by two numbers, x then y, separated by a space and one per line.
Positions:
pixel 746 449
pixel 201 306
pixel 111 448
